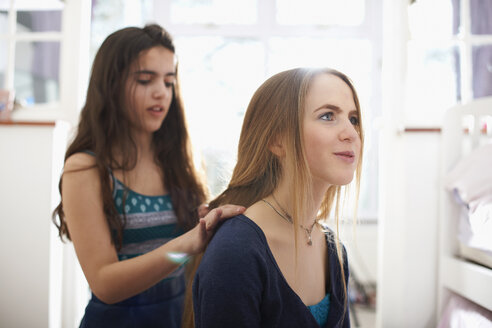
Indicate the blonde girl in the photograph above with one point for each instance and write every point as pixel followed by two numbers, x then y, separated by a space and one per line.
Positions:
pixel 278 265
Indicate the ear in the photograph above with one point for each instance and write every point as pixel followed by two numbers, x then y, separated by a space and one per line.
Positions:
pixel 277 147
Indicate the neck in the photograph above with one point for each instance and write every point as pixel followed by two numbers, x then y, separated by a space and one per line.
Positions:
pixel 145 150
pixel 144 144
pixel 283 195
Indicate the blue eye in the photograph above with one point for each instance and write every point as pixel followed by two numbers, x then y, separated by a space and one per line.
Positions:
pixel 328 116
pixel 354 120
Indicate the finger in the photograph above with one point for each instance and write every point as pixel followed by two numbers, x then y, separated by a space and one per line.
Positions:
pixel 213 217
pixel 203 210
pixel 202 229
pixel 230 210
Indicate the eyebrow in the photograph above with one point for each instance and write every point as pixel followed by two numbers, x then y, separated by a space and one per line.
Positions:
pixel 334 108
pixel 145 71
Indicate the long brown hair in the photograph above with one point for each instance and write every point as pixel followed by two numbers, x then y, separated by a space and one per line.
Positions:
pixel 105 121
pixel 276 110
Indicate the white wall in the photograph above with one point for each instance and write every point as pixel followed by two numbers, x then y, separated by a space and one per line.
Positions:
pixel 407 281
pixel 362 250
pixel 29 279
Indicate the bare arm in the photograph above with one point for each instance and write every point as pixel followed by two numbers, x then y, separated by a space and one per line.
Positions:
pixel 109 279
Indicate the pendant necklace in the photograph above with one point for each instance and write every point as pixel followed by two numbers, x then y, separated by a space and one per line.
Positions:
pixel 288 218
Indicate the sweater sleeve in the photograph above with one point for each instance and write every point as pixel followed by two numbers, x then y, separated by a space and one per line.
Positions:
pixel 228 286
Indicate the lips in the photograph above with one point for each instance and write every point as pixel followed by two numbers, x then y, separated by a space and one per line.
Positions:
pixel 155 109
pixel 346 156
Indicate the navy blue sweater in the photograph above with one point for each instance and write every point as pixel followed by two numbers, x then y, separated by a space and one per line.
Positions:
pixel 238 284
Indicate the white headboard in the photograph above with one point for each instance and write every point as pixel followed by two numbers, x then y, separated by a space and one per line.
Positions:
pixel 463 130
pixel 465 127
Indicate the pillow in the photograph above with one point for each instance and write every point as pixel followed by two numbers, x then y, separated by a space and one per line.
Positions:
pixel 461 313
pixel 471 178
pixel 475 229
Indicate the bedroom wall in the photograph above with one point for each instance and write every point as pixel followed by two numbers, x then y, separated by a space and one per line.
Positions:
pixel 31 275
pixel 407 281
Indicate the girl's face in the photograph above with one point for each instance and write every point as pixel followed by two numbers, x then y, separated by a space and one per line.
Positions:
pixel 331 141
pixel 150 87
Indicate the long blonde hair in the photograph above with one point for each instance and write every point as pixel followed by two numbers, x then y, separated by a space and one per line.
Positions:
pixel 276 110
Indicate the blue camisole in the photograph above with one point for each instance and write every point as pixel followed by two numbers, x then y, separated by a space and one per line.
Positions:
pixel 320 311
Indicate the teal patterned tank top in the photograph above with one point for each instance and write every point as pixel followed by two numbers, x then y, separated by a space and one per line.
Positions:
pixel 150 221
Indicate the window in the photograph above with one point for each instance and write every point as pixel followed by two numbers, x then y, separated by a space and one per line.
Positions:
pixel 227 49
pixel 478 30
pixel 111 15
pixel 30 39
pixel 44 52
pixel 449 57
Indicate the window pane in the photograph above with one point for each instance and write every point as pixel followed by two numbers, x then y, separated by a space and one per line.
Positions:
pixel 3 62
pixel 433 81
pixel 213 11
pixel 431 19
pixel 36 77
pixel 26 5
pixel 456 16
pixel 111 15
pixel 39 21
pixel 352 57
pixel 320 12
pixel 218 77
pixel 481 16
pixel 482 71
pixel 4 21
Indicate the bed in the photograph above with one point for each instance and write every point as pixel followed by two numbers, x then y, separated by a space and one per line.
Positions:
pixel 465 223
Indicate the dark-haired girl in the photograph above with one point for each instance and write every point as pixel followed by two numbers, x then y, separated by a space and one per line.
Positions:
pixel 130 193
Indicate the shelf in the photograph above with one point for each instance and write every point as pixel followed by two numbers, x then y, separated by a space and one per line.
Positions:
pixel 28 123
pixel 468 279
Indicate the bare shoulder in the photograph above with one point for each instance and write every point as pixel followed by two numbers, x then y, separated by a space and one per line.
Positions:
pixel 79 161
pixel 80 171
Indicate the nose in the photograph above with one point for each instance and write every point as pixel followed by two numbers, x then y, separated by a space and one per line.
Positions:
pixel 348 132
pixel 161 90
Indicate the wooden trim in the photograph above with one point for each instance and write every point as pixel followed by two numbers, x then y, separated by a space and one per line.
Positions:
pixel 28 123
pixel 419 129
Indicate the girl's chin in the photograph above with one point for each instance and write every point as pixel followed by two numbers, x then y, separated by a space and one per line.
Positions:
pixel 340 181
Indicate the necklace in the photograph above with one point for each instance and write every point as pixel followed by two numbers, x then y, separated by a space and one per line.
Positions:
pixel 288 218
